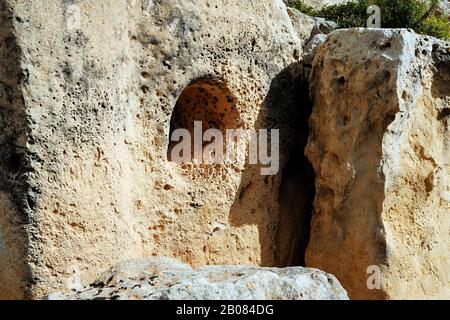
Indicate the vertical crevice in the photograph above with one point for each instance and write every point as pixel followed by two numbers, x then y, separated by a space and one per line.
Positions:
pixel 297 190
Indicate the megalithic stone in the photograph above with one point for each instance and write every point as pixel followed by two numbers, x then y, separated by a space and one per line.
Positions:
pixel 88 91
pixel 380 149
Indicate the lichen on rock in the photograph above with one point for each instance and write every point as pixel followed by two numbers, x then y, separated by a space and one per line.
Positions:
pixel 92 91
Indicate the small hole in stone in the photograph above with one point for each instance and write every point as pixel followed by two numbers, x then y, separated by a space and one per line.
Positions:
pixel 345 121
pixel 168 187
pixel 444 113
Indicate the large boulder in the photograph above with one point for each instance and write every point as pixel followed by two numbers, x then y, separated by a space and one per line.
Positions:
pixel 88 96
pixel 168 279
pixel 308 27
pixel 380 149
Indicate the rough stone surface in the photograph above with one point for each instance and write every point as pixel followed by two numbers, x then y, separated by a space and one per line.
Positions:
pixel 91 90
pixel 88 90
pixel 308 27
pixel 379 147
pixel 162 279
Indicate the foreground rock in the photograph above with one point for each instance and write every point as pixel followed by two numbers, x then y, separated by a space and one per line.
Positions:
pixel 163 278
pixel 308 27
pixel 379 147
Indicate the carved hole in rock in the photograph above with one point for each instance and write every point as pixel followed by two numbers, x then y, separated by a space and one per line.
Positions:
pixel 208 101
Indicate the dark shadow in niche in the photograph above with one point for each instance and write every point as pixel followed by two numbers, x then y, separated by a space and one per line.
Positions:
pixel 208 100
pixel 18 196
pixel 283 241
pixel 440 87
pixel 297 190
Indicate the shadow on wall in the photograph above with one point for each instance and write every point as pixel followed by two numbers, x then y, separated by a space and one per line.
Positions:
pixel 441 87
pixel 283 226
pixel 16 201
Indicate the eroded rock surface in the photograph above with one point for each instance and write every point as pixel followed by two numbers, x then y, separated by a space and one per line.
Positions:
pixel 88 91
pixel 163 278
pixel 379 147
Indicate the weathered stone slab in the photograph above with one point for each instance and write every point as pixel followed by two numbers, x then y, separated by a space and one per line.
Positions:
pixel 163 278
pixel 380 149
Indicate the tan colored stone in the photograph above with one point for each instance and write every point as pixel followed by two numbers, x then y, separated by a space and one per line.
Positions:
pixel 86 127
pixel 379 146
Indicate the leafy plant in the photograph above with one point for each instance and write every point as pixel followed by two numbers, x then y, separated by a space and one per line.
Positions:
pixel 347 15
pixel 424 16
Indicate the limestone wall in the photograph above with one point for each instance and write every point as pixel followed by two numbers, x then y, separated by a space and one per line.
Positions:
pixel 379 147
pixel 102 79
pixel 91 91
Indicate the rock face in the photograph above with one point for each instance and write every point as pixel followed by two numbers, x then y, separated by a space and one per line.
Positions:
pixel 168 279
pixel 91 91
pixel 88 92
pixel 308 27
pixel 13 164
pixel 379 147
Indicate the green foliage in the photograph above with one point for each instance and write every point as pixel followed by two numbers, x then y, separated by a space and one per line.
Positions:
pixel 436 26
pixel 302 7
pixel 347 15
pixel 423 16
